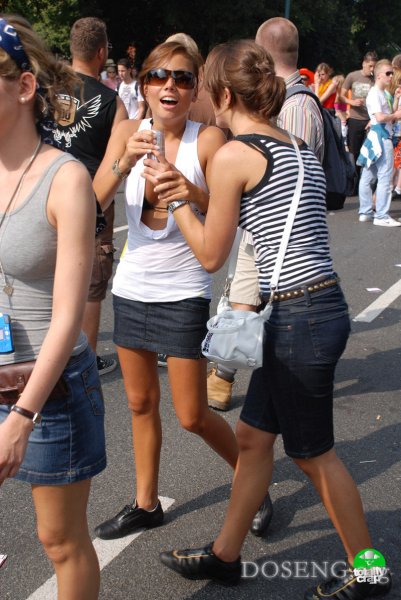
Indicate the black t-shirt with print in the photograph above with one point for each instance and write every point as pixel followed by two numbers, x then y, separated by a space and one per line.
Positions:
pixel 84 127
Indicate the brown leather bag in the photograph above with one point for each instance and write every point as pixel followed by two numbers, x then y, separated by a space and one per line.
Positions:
pixel 14 377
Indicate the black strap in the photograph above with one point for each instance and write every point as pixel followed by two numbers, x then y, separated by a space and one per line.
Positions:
pixel 253 141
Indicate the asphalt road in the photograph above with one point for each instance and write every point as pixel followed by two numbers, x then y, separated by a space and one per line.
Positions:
pixel 197 483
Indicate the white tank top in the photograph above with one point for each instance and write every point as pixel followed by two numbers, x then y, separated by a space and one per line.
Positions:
pixel 158 265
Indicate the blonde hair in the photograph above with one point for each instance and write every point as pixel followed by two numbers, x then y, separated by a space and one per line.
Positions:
pixel 339 81
pixel 52 76
pixel 381 63
pixel 395 81
pixel 325 68
pixel 185 40
pixel 247 70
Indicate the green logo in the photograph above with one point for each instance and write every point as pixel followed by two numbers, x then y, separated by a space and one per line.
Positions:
pixel 368 559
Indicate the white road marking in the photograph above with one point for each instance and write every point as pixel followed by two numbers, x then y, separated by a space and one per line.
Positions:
pixel 381 303
pixel 106 552
pixel 122 228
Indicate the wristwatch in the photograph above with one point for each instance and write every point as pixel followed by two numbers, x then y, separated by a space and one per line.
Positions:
pixel 176 204
pixel 28 414
pixel 116 170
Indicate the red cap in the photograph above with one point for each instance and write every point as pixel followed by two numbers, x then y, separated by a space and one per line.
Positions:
pixel 310 76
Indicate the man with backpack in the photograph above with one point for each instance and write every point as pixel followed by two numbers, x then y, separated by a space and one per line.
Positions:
pixel 300 114
pixel 303 115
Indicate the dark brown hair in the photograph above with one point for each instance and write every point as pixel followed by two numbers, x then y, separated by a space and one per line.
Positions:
pixel 371 55
pixel 87 36
pixel 247 70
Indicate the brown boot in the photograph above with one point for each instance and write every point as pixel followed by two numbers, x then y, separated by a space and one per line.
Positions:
pixel 218 391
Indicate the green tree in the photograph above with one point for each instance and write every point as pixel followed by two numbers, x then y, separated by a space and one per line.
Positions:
pixel 338 32
pixel 377 30
pixel 52 20
pixel 325 33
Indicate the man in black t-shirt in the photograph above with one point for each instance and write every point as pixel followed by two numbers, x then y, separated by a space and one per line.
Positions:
pixel 83 130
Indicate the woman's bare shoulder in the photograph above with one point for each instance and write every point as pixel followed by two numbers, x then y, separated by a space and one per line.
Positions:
pixel 126 128
pixel 211 132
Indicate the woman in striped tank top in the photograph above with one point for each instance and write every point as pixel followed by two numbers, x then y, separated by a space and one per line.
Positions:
pixel 252 184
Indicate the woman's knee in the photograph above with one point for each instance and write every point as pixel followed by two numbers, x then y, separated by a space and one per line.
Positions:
pixel 316 464
pixel 58 545
pixel 194 423
pixel 253 439
pixel 143 404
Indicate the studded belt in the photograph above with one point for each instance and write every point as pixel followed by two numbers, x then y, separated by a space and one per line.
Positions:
pixel 313 287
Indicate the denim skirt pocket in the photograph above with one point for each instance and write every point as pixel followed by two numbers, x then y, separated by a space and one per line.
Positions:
pixel 91 384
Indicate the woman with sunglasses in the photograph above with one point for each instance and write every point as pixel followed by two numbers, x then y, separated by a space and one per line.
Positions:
pixel 253 181
pixel 161 293
pixel 51 430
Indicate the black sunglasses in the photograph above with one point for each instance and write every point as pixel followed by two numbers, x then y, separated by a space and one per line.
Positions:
pixel 184 80
pixel 388 73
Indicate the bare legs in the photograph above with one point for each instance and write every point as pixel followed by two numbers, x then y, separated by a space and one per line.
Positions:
pixel 341 499
pixel 63 532
pixel 188 386
pixel 252 477
pixel 251 480
pixel 141 382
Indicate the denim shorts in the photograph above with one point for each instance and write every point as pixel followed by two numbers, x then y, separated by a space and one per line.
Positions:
pixel 172 328
pixel 292 393
pixel 69 444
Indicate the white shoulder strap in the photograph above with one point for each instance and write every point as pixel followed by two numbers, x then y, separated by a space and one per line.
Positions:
pixel 289 222
pixel 232 261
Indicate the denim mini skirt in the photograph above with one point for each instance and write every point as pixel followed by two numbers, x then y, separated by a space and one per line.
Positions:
pixel 68 445
pixel 173 328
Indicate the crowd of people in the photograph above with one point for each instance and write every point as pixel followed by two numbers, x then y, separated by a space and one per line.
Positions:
pixel 68 139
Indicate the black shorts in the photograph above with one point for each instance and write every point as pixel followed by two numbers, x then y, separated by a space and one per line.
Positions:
pixel 292 393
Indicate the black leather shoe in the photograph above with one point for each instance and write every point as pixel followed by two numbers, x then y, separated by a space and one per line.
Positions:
pixel 263 517
pixel 201 563
pixel 347 587
pixel 128 520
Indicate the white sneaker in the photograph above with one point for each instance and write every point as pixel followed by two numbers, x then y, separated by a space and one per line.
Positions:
pixel 365 218
pixel 387 222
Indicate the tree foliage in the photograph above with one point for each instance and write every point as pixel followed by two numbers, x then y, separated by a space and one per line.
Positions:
pixel 52 20
pixel 337 31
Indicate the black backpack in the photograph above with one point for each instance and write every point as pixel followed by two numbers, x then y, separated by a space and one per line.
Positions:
pixel 338 164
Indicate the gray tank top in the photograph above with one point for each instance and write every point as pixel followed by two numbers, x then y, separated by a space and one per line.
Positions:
pixel 28 249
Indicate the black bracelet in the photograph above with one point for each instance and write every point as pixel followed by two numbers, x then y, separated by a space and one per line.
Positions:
pixel 28 414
